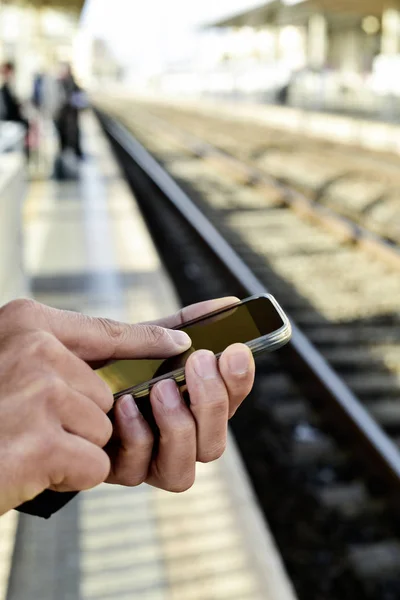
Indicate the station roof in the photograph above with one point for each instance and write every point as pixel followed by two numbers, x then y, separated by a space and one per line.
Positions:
pixel 71 6
pixel 256 16
pixel 278 13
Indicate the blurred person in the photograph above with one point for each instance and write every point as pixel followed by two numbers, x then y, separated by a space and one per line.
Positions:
pixel 55 428
pixel 37 102
pixel 38 91
pixel 11 109
pixel 283 93
pixel 70 101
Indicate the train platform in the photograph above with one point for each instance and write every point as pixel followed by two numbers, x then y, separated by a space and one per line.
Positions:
pixel 348 130
pixel 86 248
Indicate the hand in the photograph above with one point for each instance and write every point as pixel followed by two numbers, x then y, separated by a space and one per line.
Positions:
pixel 53 423
pixel 187 435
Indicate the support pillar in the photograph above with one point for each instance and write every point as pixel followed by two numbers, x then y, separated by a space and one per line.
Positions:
pixel 276 52
pixel 391 31
pixel 317 41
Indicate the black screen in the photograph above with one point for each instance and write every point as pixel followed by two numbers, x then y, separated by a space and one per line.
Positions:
pixel 243 323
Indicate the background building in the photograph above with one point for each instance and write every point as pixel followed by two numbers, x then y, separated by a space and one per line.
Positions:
pixel 314 53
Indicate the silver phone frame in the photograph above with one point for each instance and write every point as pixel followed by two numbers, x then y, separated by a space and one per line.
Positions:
pixel 267 343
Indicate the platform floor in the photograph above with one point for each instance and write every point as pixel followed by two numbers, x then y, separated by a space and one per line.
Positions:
pixel 87 249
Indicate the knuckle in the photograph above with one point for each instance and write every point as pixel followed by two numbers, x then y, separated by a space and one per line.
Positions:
pixel 214 401
pixel 49 398
pixel 107 396
pixel 67 472
pixel 54 387
pixel 184 431
pixel 99 392
pixel 182 485
pixel 153 336
pixel 20 307
pixel 108 400
pixel 131 477
pixel 104 432
pixel 177 482
pixel 213 453
pixel 114 330
pixel 220 409
pixel 220 404
pixel 131 469
pixel 97 471
pixel 44 392
pixel 103 394
pixel 42 345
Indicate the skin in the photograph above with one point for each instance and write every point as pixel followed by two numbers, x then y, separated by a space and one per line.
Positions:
pixel 54 428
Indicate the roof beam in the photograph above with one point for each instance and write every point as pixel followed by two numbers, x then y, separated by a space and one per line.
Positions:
pixel 276 11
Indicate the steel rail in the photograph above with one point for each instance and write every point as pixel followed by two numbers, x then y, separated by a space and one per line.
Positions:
pixel 339 225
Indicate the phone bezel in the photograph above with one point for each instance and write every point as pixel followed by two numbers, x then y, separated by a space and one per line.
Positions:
pixel 267 343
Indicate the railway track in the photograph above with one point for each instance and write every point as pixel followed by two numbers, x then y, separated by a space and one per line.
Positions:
pixel 321 432
pixel 359 184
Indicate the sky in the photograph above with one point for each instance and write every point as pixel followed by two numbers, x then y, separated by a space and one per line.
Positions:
pixel 148 34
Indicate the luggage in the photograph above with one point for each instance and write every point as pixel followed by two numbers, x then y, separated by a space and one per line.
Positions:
pixel 66 166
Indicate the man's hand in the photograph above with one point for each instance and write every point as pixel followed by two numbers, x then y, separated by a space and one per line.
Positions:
pixel 53 423
pixel 187 435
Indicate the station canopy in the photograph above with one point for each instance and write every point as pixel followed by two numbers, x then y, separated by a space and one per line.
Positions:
pixel 279 13
pixel 71 6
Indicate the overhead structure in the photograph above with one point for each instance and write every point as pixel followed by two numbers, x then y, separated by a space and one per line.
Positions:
pixel 345 35
pixel 256 17
pixel 69 6
pixel 279 13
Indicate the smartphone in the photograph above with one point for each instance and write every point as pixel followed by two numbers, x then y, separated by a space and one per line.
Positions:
pixel 259 322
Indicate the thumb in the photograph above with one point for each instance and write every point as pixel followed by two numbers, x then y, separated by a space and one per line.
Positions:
pixel 94 339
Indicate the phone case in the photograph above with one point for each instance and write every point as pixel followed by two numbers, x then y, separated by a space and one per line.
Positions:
pixel 267 343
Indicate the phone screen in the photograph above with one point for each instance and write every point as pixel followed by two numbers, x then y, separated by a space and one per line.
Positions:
pixel 242 323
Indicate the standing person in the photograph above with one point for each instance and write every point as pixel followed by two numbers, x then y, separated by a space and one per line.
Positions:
pixel 37 101
pixel 67 119
pixel 10 107
pixel 37 94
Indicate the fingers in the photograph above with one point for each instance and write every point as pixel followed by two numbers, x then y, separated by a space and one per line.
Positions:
pixel 237 369
pixel 185 435
pixel 81 377
pixel 216 390
pixel 195 311
pixel 209 403
pixel 104 339
pixel 78 465
pixel 174 467
pixel 133 450
pixel 82 417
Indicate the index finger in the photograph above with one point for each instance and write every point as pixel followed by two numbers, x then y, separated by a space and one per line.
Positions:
pixel 196 311
pixel 97 339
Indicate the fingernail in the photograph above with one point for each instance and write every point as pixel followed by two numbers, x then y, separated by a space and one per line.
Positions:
pixel 238 363
pixel 168 394
pixel 180 338
pixel 129 407
pixel 205 364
